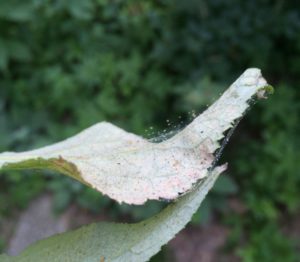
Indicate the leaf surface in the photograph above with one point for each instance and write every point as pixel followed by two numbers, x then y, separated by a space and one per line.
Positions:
pixel 121 242
pixel 139 241
pixel 131 169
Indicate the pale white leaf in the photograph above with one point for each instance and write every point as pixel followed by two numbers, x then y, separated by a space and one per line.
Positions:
pixel 131 169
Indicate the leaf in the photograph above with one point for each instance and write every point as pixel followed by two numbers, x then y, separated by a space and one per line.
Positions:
pixel 140 241
pixel 80 9
pixel 131 169
pixel 19 51
pixel 18 11
pixel 3 55
pixel 121 242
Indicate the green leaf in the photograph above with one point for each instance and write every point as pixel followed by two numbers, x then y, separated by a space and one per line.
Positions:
pixel 19 51
pixel 4 57
pixel 121 242
pixel 19 11
pixel 81 9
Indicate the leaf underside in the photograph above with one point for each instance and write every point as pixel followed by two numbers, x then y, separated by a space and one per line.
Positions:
pixel 150 171
pixel 131 169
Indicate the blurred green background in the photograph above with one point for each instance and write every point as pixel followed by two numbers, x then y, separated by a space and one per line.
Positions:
pixel 65 65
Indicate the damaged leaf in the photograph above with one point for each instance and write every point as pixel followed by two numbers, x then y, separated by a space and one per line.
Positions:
pixel 131 169
pixel 109 159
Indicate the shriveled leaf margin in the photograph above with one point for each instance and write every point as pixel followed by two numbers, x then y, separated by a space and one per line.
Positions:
pixel 59 165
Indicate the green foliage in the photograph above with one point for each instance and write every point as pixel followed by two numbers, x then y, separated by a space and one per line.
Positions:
pixel 270 177
pixel 276 177
pixel 65 65
pixel 262 247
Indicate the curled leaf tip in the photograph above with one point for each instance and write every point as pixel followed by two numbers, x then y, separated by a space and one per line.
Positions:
pixel 269 89
pixel 263 92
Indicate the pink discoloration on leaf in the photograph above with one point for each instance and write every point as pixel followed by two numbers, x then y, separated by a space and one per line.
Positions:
pixel 130 169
